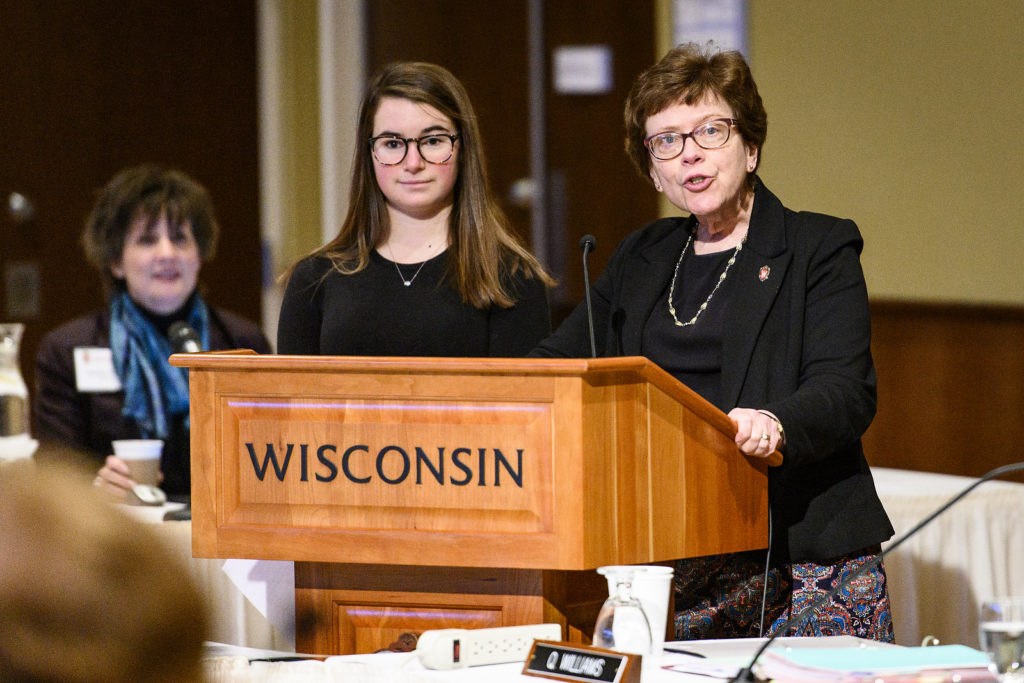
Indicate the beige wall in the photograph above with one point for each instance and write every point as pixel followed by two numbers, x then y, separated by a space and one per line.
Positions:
pixel 311 81
pixel 870 106
pixel 905 116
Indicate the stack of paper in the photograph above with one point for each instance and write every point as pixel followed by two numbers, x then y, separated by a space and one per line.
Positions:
pixel 854 665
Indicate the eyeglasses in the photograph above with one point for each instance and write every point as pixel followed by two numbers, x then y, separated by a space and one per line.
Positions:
pixel 710 135
pixel 435 148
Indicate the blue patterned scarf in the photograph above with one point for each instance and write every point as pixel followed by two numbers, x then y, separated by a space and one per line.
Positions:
pixel 153 389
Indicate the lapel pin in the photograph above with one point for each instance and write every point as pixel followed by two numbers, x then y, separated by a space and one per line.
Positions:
pixel 763 274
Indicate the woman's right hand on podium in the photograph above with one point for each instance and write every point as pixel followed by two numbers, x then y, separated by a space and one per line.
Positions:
pixel 757 433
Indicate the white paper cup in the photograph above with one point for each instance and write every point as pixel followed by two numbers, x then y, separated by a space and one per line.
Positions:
pixel 142 457
pixel 651 586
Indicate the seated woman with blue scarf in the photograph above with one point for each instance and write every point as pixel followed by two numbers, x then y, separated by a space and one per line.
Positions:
pixel 105 376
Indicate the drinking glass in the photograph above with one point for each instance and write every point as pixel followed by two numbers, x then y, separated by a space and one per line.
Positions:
pixel 1001 632
pixel 621 624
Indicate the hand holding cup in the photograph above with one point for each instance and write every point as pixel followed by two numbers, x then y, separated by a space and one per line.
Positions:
pixel 142 456
pixel 135 461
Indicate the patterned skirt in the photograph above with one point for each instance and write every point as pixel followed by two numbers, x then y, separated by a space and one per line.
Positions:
pixel 720 596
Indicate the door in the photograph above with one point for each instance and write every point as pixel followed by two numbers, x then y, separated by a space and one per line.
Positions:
pixel 592 188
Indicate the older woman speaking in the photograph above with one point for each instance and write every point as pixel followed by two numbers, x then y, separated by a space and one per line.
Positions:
pixel 764 312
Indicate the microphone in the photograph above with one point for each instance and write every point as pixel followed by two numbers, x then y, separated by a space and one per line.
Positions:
pixel 746 674
pixel 183 338
pixel 587 243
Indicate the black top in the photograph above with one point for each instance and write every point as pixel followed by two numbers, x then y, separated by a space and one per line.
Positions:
pixel 692 354
pixel 373 313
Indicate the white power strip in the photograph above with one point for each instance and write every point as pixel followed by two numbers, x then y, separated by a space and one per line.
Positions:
pixel 455 648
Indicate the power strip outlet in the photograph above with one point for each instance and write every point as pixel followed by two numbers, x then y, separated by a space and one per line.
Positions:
pixel 456 648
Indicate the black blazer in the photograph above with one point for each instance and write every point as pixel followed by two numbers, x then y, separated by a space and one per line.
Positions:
pixel 796 342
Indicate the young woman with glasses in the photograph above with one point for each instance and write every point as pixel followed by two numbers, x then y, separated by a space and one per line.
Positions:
pixel 425 263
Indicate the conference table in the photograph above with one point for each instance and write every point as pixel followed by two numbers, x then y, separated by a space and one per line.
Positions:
pixel 840 658
pixel 975 550
pixel 236 620
pixel 937 578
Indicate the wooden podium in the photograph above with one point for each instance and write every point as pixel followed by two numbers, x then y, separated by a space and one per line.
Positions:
pixel 420 493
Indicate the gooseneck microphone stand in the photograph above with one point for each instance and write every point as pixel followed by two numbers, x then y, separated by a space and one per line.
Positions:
pixel 746 674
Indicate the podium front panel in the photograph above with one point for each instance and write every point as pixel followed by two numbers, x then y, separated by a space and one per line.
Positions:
pixel 437 464
pixel 563 465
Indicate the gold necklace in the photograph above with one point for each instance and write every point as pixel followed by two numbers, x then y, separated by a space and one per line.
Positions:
pixel 721 279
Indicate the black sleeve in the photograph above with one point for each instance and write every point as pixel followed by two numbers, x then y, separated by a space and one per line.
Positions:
pixel 59 409
pixel 514 331
pixel 301 318
pixel 836 399
pixel 258 343
pixel 232 331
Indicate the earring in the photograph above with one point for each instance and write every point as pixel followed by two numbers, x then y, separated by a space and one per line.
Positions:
pixel 657 186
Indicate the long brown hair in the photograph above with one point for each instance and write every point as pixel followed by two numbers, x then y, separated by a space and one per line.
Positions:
pixel 484 247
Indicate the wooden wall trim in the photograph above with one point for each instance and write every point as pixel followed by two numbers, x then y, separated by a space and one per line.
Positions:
pixel 947 310
pixel 950 386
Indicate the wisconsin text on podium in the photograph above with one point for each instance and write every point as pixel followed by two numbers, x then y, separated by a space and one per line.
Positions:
pixel 391 464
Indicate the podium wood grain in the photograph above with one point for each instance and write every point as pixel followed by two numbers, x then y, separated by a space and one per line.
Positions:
pixel 429 492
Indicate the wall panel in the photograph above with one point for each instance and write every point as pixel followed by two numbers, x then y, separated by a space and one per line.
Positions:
pixel 950 387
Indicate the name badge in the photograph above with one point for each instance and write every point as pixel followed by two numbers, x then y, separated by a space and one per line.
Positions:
pixel 94 370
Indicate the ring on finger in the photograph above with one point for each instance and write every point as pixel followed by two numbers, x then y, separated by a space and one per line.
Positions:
pixel 765 436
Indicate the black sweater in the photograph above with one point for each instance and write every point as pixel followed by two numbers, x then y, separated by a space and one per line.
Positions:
pixel 373 313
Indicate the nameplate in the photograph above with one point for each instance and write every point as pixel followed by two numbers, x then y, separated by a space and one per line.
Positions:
pixel 561 662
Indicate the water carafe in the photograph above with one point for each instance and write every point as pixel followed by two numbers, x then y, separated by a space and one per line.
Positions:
pixel 13 392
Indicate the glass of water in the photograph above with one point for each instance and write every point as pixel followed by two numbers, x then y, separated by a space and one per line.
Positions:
pixel 622 624
pixel 1001 632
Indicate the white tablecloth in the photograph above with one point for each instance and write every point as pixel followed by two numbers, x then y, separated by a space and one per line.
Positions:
pixel 724 655
pixel 234 618
pixel 973 551
pixel 937 579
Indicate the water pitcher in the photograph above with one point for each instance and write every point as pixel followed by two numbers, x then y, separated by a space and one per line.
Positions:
pixel 13 392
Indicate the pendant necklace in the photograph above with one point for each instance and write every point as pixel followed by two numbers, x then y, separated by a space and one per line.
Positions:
pixel 404 281
pixel 721 279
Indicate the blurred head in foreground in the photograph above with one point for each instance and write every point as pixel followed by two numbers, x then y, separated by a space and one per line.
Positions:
pixel 87 593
